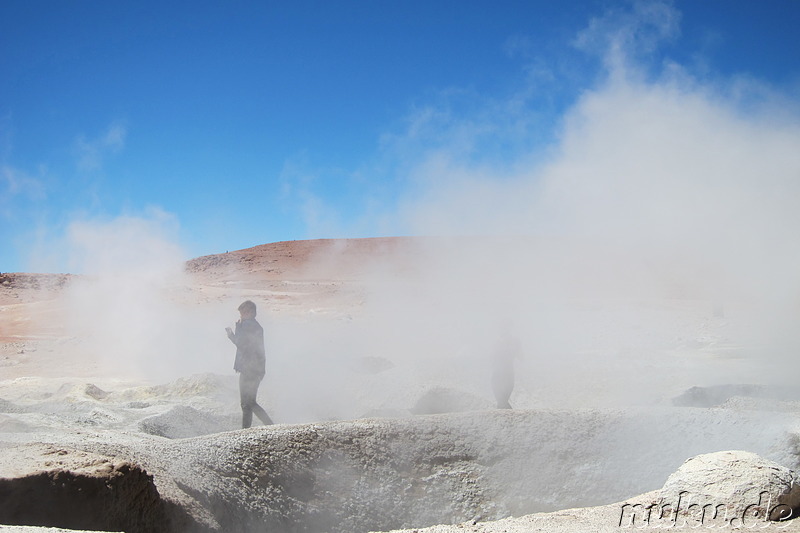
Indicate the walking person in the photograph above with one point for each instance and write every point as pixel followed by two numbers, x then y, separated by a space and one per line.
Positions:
pixel 507 350
pixel 250 362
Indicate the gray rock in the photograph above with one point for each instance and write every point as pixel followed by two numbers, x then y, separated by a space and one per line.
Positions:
pixel 717 395
pixel 182 421
pixel 93 391
pixel 744 485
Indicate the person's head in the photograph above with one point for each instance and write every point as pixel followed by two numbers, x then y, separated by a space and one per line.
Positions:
pixel 247 309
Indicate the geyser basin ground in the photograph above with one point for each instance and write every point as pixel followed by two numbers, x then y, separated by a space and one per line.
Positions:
pixel 380 474
pixel 348 350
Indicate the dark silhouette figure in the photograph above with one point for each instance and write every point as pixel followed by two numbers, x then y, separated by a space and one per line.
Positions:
pixel 503 371
pixel 250 362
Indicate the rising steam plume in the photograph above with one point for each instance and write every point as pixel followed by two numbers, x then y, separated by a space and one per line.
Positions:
pixel 662 197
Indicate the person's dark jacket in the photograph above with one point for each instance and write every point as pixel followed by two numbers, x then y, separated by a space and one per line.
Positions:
pixel 249 341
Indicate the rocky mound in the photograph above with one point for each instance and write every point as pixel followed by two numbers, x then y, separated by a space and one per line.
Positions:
pixel 380 474
pixel 722 491
pixel 21 280
pixel 737 485
pixel 716 395
pixel 183 421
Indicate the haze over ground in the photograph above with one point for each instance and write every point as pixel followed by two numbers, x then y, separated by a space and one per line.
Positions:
pixel 361 338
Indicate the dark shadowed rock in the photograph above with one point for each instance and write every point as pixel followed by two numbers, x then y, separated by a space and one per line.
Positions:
pixel 61 487
pixel 717 395
pixel 93 391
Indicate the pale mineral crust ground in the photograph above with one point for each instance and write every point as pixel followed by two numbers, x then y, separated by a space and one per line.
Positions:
pixel 368 439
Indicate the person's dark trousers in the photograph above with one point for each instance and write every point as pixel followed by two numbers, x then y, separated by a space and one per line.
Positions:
pixel 248 391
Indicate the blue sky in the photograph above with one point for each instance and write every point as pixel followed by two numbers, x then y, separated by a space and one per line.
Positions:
pixel 224 125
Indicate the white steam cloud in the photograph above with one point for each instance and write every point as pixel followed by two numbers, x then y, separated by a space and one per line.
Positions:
pixel 662 198
pixel 129 306
pixel 604 254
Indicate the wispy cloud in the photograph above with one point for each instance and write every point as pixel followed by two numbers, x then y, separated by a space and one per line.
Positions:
pixel 15 185
pixel 18 182
pixel 622 34
pixel 298 186
pixel 91 152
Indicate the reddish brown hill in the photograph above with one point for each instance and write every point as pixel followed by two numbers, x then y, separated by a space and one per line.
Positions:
pixel 301 260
